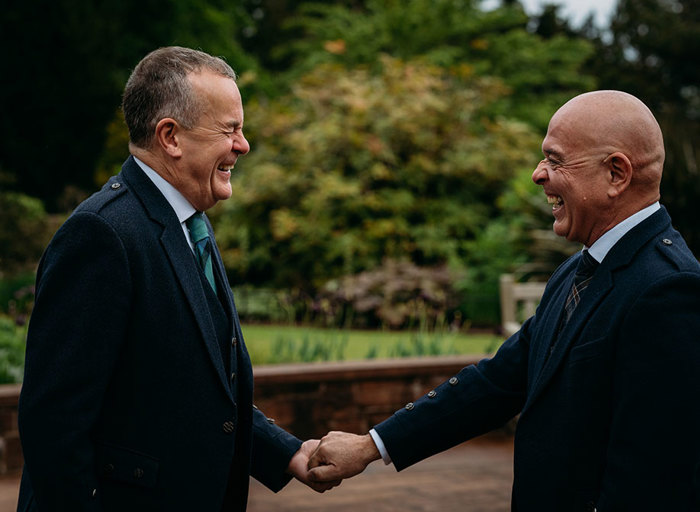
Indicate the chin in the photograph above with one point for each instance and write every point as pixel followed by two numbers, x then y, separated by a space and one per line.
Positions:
pixel 562 232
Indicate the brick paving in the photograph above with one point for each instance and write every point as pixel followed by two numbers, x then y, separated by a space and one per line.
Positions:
pixel 474 477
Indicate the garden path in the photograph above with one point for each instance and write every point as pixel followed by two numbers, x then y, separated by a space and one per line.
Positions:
pixel 474 476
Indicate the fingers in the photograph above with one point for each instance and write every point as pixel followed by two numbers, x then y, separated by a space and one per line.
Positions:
pixel 341 455
pixel 316 459
pixel 324 474
pixel 322 487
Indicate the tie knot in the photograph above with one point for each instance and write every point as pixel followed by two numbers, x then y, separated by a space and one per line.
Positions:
pixel 197 227
pixel 586 266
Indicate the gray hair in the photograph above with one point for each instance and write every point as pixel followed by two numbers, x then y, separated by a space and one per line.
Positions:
pixel 159 87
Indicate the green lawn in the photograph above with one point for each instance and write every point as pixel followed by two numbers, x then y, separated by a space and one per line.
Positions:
pixel 270 344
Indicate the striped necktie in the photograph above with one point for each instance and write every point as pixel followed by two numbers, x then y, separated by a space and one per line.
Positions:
pixel 202 245
pixel 584 273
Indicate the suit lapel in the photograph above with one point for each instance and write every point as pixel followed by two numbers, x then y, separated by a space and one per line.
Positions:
pixel 552 316
pixel 600 286
pixel 180 257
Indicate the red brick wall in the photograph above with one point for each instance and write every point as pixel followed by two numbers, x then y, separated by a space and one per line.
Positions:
pixel 312 399
pixel 307 399
pixel 10 449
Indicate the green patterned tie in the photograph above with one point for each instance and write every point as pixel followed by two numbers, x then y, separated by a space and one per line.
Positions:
pixel 202 245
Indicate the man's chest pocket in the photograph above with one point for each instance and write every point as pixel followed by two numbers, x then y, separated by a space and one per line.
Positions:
pixel 590 350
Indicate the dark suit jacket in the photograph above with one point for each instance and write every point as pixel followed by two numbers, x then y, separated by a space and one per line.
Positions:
pixel 612 419
pixel 126 404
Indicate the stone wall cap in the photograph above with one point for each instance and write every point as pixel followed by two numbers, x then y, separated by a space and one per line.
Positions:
pixel 351 370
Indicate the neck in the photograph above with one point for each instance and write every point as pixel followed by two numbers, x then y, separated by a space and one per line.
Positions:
pixel 155 162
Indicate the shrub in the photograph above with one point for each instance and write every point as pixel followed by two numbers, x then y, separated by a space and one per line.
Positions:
pixel 24 232
pixel 396 295
pixel 12 346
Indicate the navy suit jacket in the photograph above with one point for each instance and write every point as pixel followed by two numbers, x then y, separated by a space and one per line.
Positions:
pixel 611 420
pixel 126 404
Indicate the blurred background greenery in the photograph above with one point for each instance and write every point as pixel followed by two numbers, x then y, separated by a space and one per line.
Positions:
pixel 388 184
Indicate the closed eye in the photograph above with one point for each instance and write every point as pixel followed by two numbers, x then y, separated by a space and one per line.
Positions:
pixel 553 163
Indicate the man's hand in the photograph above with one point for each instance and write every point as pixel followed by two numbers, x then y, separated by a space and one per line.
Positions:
pixel 298 467
pixel 341 455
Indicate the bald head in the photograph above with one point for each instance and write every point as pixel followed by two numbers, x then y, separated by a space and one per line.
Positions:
pixel 604 154
pixel 615 121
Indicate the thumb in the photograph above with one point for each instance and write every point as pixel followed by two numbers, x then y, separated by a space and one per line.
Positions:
pixel 328 473
pixel 315 460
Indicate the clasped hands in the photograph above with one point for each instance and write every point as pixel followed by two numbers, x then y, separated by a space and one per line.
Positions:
pixel 323 464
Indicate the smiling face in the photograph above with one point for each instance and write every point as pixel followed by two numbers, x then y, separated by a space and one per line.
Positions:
pixel 575 178
pixel 603 162
pixel 209 150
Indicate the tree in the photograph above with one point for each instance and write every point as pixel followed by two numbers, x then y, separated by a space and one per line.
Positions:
pixel 66 64
pixel 355 167
pixel 541 73
pixel 651 51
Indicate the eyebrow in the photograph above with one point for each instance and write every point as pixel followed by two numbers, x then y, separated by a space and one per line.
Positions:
pixel 233 124
pixel 551 152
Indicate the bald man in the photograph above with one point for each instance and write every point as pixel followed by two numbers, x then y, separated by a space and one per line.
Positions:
pixel 606 375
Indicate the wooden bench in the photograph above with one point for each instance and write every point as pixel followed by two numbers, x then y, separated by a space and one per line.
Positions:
pixel 518 302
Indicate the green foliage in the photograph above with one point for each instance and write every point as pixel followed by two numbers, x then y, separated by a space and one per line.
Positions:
pixel 12 346
pixel 286 349
pixel 421 345
pixel 266 304
pixel 274 344
pixel 17 296
pixel 651 51
pixel 24 232
pixel 66 79
pixel 540 73
pixel 356 167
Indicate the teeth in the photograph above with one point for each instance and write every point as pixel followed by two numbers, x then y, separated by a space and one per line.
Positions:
pixel 226 168
pixel 555 200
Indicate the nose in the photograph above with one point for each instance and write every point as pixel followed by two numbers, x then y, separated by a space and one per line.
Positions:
pixel 241 145
pixel 539 175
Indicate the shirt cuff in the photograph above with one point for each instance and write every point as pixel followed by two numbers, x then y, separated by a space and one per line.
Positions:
pixel 380 446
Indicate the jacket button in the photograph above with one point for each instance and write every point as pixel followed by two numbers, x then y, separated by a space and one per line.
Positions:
pixel 138 473
pixel 432 394
pixel 666 241
pixel 93 494
pixel 108 469
pixel 409 406
pixel 590 507
pixel 234 341
pixel 233 375
pixel 115 186
pixel 453 381
pixel 229 427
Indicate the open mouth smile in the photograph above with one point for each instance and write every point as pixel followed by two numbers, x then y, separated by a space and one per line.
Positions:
pixel 555 201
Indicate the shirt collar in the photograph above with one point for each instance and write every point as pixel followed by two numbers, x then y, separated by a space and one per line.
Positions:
pixel 602 246
pixel 183 208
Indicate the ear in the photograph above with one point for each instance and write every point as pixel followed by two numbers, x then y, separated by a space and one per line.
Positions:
pixel 620 172
pixel 167 132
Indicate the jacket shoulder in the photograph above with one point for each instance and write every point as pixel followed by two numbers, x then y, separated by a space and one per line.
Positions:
pixel 675 252
pixel 114 191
